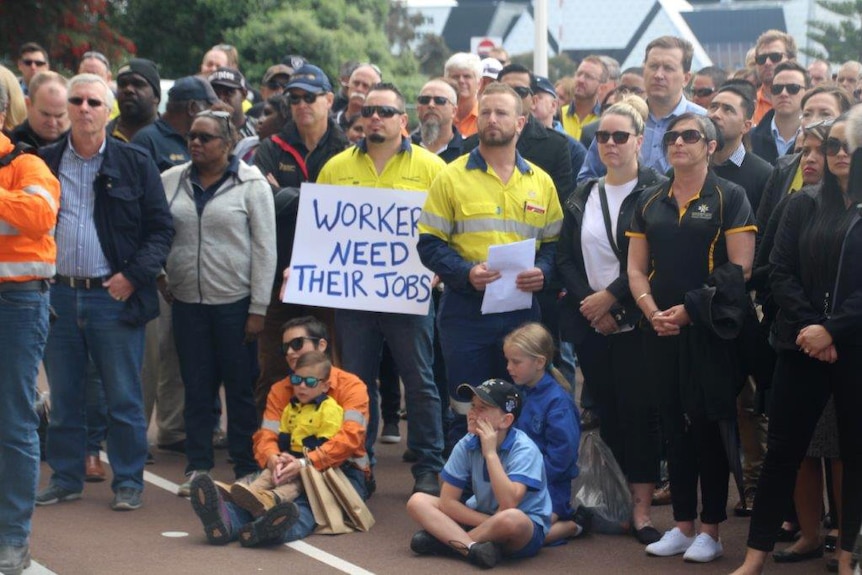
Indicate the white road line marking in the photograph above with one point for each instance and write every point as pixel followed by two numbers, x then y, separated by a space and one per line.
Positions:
pixel 38 569
pixel 301 546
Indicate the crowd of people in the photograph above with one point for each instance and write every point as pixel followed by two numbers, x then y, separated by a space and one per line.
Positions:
pixel 697 246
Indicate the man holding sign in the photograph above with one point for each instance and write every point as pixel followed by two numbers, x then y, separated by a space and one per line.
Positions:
pixel 386 159
pixel 489 197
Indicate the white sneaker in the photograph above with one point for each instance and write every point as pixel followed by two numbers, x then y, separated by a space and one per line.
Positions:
pixel 673 542
pixel 185 488
pixel 704 549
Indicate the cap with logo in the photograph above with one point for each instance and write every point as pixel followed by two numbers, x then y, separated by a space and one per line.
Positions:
pixel 309 78
pixel 497 392
pixel 192 88
pixel 228 77
pixel 277 70
pixel 491 68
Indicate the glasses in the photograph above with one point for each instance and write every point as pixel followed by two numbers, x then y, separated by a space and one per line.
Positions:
pixel 619 137
pixel 688 136
pixel 308 98
pixel 522 91
pixel 202 137
pixel 92 102
pixel 792 89
pixel 833 145
pixel 703 92
pixel 273 85
pixel 774 57
pixel 98 56
pixel 37 63
pixel 438 100
pixel 309 381
pixel 296 343
pixel 382 111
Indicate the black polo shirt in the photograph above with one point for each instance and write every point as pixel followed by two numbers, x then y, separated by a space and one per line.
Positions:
pixel 687 242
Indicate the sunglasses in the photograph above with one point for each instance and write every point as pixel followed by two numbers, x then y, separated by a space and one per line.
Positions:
pixel 382 111
pixel 296 343
pixel 37 63
pixel 522 91
pixel 623 90
pixel 792 89
pixel 308 98
pixel 833 145
pixel 703 92
pixel 273 85
pixel 202 137
pixel 98 56
pixel 619 137
pixel 688 136
pixel 309 381
pixel 438 100
pixel 774 57
pixel 92 102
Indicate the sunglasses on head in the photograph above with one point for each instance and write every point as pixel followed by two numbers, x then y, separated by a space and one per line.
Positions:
pixel 309 381
pixel 37 63
pixel 703 92
pixel 833 145
pixel 308 98
pixel 774 57
pixel 688 136
pixel 792 89
pixel 202 137
pixel 382 111
pixel 296 343
pixel 619 137
pixel 522 91
pixel 79 101
pixel 438 100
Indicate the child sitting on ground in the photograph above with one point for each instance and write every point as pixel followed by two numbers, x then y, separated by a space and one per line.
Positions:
pixel 510 509
pixel 549 417
pixel 309 419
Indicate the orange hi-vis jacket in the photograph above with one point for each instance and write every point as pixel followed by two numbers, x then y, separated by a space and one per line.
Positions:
pixel 29 202
pixel 348 445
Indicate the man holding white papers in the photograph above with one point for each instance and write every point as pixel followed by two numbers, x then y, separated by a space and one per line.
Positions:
pixel 489 197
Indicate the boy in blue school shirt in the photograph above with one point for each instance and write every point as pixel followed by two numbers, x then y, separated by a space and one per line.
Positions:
pixel 510 509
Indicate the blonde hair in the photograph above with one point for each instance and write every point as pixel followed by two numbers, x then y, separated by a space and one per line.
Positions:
pixel 534 340
pixel 629 108
pixel 16 108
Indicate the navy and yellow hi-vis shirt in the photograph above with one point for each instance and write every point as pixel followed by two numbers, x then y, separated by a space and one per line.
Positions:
pixel 309 425
pixel 687 242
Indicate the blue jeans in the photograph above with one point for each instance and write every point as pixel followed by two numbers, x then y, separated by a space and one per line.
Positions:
pixel 88 327
pixel 411 340
pixel 23 331
pixel 212 349
pixel 97 411
pixel 305 525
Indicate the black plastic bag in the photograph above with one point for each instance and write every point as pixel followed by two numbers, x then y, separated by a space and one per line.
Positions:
pixel 602 487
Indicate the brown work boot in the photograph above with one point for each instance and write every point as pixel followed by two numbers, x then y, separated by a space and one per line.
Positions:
pixel 255 501
pixel 93 470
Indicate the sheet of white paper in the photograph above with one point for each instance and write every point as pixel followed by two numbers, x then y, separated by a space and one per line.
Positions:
pixel 510 260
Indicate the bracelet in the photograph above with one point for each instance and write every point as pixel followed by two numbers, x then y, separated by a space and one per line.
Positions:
pixel 640 297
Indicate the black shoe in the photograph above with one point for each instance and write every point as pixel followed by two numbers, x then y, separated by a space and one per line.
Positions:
pixel 830 543
pixel 832 565
pixel 788 556
pixel 175 447
pixel 485 554
pixel 427 483
pixel 270 528
pixel 209 506
pixel 787 536
pixel 584 517
pixel 646 535
pixel 423 543
pixel 370 487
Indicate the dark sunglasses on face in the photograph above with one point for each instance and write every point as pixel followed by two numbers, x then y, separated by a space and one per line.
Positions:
pixel 309 381
pixel 688 136
pixel 438 100
pixel 37 63
pixel 792 89
pixel 202 137
pixel 522 91
pixel 833 145
pixel 703 92
pixel 774 57
pixel 92 102
pixel 382 111
pixel 275 85
pixel 308 98
pixel 619 137
pixel 296 343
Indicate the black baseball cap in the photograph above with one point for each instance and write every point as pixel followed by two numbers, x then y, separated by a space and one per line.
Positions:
pixel 497 392
pixel 192 88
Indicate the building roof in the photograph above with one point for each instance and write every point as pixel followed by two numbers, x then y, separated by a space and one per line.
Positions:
pixel 713 26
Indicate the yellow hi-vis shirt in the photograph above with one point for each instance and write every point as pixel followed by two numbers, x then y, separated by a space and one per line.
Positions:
pixel 470 208
pixel 412 168
pixel 572 124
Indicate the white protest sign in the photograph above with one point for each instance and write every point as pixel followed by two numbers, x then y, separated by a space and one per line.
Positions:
pixel 355 248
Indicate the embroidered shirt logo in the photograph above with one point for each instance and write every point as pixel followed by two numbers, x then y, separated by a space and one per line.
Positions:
pixel 701 213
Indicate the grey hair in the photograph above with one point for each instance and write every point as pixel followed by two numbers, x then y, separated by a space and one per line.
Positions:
pixel 4 98
pixel 854 127
pixel 464 61
pixel 93 79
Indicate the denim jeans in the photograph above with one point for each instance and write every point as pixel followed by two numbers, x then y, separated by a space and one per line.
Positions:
pixel 97 410
pixel 23 331
pixel 410 338
pixel 88 327
pixel 305 525
pixel 211 348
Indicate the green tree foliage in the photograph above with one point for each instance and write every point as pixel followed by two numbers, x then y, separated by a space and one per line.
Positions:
pixel 841 41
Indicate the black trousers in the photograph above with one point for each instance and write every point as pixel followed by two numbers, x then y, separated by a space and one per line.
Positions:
pixel 801 387
pixel 695 452
pixel 626 402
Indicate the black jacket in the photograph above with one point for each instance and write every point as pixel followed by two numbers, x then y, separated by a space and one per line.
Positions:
pixel 753 175
pixel 24 134
pixel 132 219
pixel 454 149
pixel 570 258
pixel 762 142
pixel 776 188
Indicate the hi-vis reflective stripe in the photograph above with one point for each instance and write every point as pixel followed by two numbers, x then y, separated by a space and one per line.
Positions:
pixel 270 425
pixel 459 407
pixel 42 193
pixel 27 269
pixel 353 415
pixel 436 222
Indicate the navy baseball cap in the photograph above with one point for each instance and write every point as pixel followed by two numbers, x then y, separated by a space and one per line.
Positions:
pixel 309 78
pixel 544 85
pixel 192 88
pixel 497 392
